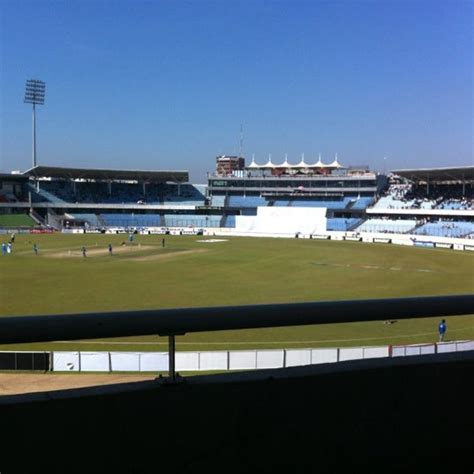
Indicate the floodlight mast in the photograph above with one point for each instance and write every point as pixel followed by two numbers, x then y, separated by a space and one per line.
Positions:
pixel 34 94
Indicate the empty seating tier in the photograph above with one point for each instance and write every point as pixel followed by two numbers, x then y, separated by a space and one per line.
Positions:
pixel 400 226
pixel 446 229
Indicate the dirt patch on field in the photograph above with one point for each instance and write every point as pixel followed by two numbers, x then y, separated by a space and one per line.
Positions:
pixel 13 384
pixel 165 256
pixel 99 251
pixel 130 252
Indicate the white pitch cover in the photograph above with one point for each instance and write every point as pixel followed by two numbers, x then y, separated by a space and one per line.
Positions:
pixel 284 220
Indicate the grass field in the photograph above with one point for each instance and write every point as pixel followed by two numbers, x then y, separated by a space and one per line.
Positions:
pixel 16 220
pixel 189 272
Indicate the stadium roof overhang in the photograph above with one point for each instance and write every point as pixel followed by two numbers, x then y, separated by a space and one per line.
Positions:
pixel 108 174
pixel 423 175
pixel 13 177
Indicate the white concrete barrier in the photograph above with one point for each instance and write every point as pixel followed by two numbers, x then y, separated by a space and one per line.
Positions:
pixel 242 360
pixel 446 347
pixel 324 356
pixel 187 361
pixel 465 346
pixel 216 360
pixel 297 357
pixel 351 353
pixel 376 352
pixel 154 361
pixel 125 362
pixel 413 349
pixel 238 360
pixel 66 362
pixel 95 361
pixel 270 359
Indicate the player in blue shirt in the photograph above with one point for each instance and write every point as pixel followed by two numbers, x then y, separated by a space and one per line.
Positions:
pixel 442 330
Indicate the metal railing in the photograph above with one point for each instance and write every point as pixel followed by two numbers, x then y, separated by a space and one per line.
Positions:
pixel 175 322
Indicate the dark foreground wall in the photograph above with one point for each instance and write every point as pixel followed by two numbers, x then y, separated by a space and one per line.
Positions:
pixel 395 415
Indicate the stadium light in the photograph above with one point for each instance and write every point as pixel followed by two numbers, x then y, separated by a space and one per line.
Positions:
pixel 34 94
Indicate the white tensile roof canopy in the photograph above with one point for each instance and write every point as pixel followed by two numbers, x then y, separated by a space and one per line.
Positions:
pixel 301 165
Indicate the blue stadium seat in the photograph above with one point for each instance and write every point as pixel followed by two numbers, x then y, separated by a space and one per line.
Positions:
pixel 455 229
pixel 246 201
pixel 341 224
pixel 192 220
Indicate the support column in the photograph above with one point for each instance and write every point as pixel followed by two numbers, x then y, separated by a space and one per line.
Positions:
pixel 34 146
pixel 34 135
pixel 171 357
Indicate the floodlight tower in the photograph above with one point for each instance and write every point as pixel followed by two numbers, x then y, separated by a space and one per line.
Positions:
pixel 34 94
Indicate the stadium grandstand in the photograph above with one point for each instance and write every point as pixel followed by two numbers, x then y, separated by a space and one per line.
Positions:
pixel 429 202
pixel 65 198
pixel 283 199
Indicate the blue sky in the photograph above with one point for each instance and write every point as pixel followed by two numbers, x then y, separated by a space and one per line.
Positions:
pixel 167 84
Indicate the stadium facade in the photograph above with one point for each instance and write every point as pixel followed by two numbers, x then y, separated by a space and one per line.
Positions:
pixel 322 200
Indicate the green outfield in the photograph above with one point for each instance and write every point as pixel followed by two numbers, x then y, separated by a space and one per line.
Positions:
pixel 191 272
